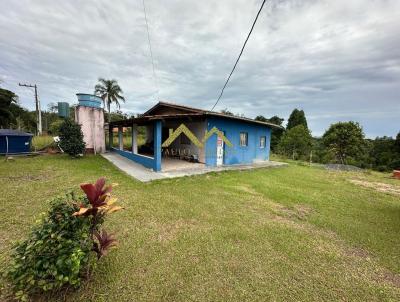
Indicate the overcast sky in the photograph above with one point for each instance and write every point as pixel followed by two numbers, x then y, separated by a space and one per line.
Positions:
pixel 338 60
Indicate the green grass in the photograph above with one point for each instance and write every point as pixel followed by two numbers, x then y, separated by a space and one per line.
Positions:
pixel 293 233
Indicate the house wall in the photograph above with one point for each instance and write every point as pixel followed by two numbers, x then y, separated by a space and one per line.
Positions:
pixel 237 154
pixel 198 129
pixel 144 160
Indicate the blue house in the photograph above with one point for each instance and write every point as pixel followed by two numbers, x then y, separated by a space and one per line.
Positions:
pixel 168 133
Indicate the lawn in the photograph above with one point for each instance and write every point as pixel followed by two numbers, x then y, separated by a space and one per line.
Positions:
pixel 293 233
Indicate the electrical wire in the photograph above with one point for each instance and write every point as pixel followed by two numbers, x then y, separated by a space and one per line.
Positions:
pixel 237 60
pixel 150 49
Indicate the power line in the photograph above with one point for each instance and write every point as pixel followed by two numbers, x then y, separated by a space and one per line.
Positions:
pixel 151 51
pixel 244 45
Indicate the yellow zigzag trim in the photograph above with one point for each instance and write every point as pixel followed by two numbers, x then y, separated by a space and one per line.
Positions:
pixel 219 133
pixel 182 129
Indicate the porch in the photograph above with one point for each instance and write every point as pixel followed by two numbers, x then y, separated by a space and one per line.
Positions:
pixel 181 153
pixel 144 174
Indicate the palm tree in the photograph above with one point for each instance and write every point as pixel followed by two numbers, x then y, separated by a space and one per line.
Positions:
pixel 110 92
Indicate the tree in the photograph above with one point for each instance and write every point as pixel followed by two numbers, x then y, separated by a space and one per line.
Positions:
pixel 52 107
pixel 344 139
pixel 23 119
pixel 296 142
pixel 227 112
pixel 276 120
pixel 7 99
pixel 397 143
pixel 297 117
pixel 54 128
pixel 71 138
pixel 276 133
pixel 261 118
pixel 110 92
pixel 382 153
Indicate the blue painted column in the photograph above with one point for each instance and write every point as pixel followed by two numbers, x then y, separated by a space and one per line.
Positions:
pixel 120 139
pixel 157 145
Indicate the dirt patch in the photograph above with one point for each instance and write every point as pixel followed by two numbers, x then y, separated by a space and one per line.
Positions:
pixel 357 252
pixel 299 211
pixel 377 186
pixel 389 277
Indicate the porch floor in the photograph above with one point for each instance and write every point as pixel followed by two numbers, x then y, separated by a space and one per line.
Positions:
pixel 173 164
pixel 176 168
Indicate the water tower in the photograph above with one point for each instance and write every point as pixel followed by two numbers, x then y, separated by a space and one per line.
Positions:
pixel 90 116
pixel 63 109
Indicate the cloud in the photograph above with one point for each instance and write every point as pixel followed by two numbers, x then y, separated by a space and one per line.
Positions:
pixel 337 60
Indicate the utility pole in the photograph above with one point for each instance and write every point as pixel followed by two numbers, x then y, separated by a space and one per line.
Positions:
pixel 38 110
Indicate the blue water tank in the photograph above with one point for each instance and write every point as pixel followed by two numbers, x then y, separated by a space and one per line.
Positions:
pixel 63 109
pixel 14 141
pixel 89 100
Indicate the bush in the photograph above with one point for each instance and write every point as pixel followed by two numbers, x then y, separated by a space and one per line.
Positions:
pixel 55 126
pixel 71 138
pixel 59 251
pixel 56 252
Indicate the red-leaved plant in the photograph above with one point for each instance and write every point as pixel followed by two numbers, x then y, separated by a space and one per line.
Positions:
pixel 99 197
pixel 100 203
pixel 105 242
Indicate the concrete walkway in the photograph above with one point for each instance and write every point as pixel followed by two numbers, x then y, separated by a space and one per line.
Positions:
pixel 144 174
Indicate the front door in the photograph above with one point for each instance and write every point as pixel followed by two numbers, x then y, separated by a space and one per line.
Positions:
pixel 220 151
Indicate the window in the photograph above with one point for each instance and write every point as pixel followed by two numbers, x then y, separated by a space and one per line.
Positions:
pixel 243 139
pixel 262 141
pixel 184 140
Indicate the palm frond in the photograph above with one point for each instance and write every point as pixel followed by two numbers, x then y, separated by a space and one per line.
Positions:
pixel 110 92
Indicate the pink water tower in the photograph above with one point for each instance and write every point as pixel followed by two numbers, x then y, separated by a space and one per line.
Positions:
pixel 89 114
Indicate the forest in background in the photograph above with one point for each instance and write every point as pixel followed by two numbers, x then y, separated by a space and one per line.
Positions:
pixel 342 142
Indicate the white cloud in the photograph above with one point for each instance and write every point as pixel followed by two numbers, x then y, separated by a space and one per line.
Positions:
pixel 335 59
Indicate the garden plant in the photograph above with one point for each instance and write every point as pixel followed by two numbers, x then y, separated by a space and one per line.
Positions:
pixel 64 246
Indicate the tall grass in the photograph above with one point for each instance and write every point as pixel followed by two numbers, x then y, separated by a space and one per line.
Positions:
pixel 40 142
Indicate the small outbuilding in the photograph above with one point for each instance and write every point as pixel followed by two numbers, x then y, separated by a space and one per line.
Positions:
pixel 14 141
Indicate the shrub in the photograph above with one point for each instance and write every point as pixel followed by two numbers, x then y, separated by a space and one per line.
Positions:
pixel 55 126
pixel 71 138
pixel 60 249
